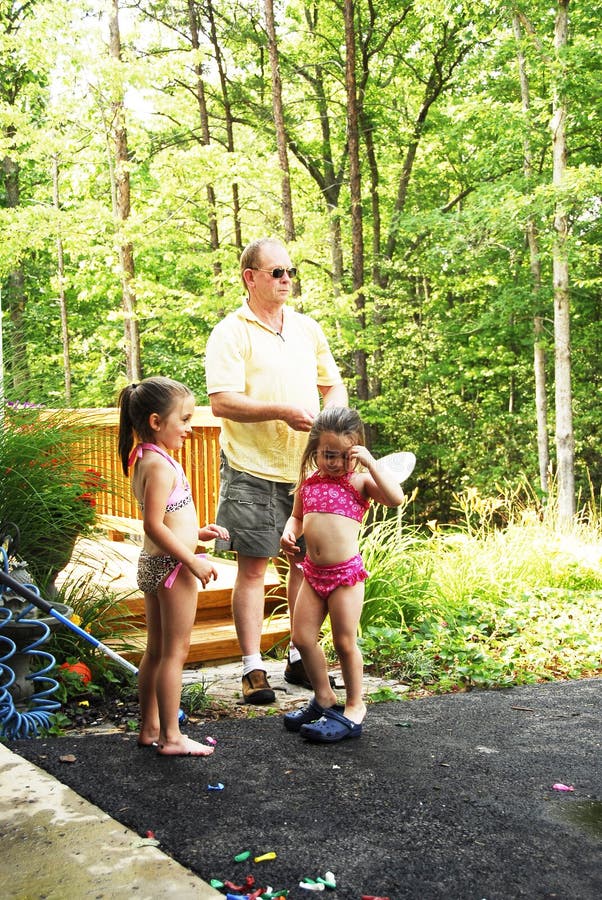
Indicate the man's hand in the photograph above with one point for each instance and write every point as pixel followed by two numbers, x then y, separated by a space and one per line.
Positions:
pixel 298 418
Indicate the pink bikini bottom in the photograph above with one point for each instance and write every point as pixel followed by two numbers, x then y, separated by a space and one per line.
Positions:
pixel 325 579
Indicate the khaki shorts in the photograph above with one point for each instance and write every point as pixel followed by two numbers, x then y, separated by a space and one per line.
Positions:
pixel 253 510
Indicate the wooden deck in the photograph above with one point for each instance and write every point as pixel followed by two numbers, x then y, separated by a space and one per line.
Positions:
pixel 112 564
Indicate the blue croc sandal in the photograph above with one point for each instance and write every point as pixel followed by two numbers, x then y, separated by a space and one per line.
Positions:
pixel 310 713
pixel 331 727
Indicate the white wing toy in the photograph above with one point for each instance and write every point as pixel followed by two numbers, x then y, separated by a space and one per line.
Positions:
pixel 401 464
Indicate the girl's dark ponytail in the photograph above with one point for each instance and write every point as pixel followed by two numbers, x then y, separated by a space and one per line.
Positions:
pixel 126 427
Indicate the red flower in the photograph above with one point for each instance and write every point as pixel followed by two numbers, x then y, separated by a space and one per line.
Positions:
pixel 94 482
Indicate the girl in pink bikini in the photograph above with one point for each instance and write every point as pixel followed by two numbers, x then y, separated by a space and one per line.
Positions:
pixel 158 413
pixel 329 506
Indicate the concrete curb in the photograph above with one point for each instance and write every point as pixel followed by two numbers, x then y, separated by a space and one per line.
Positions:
pixel 56 845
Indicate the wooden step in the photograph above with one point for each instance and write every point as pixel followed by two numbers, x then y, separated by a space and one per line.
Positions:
pixel 214 640
pixel 113 566
pixel 215 602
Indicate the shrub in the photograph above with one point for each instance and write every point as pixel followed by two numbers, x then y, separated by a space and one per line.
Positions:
pixel 46 491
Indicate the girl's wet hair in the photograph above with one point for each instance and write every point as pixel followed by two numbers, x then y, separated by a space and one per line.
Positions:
pixel 137 403
pixel 340 420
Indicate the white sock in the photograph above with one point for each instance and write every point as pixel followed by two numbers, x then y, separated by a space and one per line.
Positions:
pixel 254 661
pixel 293 653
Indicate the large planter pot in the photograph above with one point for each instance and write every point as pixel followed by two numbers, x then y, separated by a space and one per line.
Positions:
pixel 24 634
pixel 49 559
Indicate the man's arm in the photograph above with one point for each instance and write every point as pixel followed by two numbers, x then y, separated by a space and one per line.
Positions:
pixel 240 408
pixel 334 395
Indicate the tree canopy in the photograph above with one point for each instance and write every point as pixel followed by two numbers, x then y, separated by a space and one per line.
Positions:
pixel 408 144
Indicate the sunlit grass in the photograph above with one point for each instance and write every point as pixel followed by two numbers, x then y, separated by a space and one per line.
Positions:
pixel 505 597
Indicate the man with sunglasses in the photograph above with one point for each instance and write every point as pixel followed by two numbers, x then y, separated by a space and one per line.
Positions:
pixel 267 368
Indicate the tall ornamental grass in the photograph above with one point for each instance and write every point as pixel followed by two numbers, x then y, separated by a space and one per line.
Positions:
pixel 46 490
pixel 503 597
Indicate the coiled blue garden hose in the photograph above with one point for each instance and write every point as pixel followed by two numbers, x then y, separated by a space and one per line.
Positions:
pixel 41 706
pixel 32 595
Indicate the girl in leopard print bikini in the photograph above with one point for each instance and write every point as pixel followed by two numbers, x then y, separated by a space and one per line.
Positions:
pixel 158 413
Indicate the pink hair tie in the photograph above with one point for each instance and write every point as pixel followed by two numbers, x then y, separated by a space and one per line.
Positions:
pixel 135 454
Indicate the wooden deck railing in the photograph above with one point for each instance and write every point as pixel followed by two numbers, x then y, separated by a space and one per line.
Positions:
pixel 199 457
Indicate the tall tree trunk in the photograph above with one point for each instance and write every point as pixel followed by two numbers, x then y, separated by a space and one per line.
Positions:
pixel 355 185
pixel 433 89
pixel 448 55
pixel 287 198
pixel 368 127
pixel 541 402
pixel 229 120
pixel 539 351
pixel 565 442
pixel 60 267
pixel 321 166
pixel 16 298
pixel 206 140
pixel 122 213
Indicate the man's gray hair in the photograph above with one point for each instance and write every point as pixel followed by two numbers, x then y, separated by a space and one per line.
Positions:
pixel 251 256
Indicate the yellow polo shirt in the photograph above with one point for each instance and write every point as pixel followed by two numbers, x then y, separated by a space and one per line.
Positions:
pixel 245 356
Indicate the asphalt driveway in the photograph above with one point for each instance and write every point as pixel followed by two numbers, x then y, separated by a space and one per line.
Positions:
pixel 445 797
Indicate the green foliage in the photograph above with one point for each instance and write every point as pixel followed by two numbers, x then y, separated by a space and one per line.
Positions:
pixel 450 296
pixel 397 578
pixel 100 613
pixel 59 723
pixel 46 491
pixel 195 697
pixel 383 695
pixel 493 606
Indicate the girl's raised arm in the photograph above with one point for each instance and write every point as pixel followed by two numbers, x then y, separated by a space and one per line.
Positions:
pixel 379 483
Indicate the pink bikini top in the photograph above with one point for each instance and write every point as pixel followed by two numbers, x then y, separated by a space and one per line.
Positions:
pixel 181 495
pixel 327 494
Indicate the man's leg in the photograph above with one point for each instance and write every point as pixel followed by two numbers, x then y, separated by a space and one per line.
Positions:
pixel 248 603
pixel 295 580
pixel 294 672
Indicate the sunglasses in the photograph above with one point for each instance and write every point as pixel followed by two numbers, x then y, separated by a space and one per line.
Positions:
pixel 278 272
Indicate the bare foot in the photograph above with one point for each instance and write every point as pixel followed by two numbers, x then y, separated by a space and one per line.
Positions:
pixel 148 739
pixel 356 714
pixel 184 747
